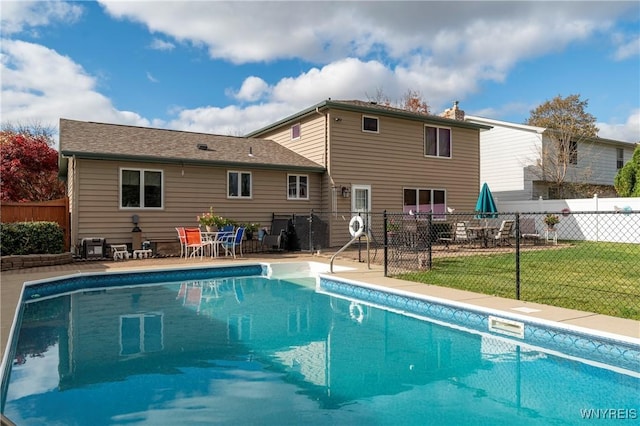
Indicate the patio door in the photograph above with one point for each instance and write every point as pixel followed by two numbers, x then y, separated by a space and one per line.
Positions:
pixel 361 202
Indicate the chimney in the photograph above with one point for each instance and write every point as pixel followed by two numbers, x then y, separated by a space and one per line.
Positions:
pixel 453 113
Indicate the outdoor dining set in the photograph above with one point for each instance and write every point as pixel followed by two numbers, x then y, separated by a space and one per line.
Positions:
pixel 195 242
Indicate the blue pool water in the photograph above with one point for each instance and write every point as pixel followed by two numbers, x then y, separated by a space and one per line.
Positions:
pixel 208 347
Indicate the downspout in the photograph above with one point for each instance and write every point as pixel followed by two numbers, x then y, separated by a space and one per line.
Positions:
pixel 332 191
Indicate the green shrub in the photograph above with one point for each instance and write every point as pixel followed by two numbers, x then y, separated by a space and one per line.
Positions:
pixel 31 238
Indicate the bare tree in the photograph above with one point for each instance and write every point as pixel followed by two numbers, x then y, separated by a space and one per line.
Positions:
pixel 568 126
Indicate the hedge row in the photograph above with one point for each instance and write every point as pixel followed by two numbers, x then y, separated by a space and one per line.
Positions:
pixel 31 238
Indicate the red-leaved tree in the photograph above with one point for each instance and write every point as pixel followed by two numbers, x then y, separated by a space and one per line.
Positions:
pixel 29 168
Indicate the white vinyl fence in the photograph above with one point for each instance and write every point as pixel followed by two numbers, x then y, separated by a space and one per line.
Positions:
pixel 598 219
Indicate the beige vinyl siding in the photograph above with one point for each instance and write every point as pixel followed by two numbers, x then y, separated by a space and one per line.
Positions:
pixel 188 191
pixel 394 159
pixel 311 143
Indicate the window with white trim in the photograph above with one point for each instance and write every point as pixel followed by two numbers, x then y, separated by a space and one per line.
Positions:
pixel 418 200
pixel 141 189
pixel 297 187
pixel 295 131
pixel 141 333
pixel 437 142
pixel 370 124
pixel 238 184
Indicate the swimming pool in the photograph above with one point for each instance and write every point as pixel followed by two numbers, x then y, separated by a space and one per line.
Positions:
pixel 271 344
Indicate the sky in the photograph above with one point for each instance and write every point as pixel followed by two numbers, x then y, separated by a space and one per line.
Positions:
pixel 233 67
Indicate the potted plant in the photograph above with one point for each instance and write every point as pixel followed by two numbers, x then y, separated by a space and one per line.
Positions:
pixel 250 229
pixel 551 220
pixel 210 221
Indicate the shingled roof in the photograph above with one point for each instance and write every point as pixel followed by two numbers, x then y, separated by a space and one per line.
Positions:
pixel 84 139
pixel 368 108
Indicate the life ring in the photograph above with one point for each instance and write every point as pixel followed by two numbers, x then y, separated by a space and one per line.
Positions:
pixel 356 313
pixel 360 230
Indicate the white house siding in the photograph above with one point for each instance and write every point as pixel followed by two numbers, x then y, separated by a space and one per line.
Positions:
pixel 508 148
pixel 505 152
pixel 188 191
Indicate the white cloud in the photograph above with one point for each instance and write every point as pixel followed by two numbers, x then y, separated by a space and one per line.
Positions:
pixel 39 84
pixel 628 131
pixel 627 49
pixel 151 78
pixel 157 44
pixel 253 88
pixel 22 15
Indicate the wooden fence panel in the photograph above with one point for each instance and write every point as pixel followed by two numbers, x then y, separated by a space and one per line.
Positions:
pixel 44 211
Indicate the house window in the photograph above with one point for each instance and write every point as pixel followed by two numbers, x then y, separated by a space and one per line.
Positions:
pixel 141 333
pixel 370 124
pixel 298 187
pixel 619 158
pixel 295 131
pixel 437 142
pixel 141 189
pixel 239 184
pixel 418 200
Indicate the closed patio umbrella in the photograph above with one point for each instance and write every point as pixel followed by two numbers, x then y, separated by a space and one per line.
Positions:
pixel 486 206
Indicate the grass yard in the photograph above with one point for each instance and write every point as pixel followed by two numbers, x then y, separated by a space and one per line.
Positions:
pixel 589 276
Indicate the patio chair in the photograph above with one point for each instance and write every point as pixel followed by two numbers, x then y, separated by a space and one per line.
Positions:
pixel 504 233
pixel 528 230
pixel 460 235
pixel 195 242
pixel 182 237
pixel 277 239
pixel 231 242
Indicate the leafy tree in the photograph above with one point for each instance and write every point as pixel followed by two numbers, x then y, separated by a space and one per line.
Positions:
pixel 28 166
pixel 627 181
pixel 569 125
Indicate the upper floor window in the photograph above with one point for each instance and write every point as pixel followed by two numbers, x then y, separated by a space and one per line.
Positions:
pixel 370 124
pixel 418 200
pixel 619 158
pixel 295 131
pixel 437 142
pixel 238 184
pixel 298 187
pixel 141 189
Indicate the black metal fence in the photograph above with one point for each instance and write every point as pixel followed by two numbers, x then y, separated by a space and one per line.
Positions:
pixel 588 260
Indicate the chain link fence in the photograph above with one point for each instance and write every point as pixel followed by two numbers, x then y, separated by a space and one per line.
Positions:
pixel 587 261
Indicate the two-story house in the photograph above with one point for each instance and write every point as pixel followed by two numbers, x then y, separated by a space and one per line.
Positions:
pixel 334 158
pixel 520 162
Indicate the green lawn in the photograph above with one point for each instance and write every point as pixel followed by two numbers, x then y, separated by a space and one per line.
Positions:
pixel 589 276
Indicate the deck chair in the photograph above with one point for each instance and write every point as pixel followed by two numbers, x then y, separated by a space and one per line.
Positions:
pixel 460 235
pixel 195 242
pixel 528 230
pixel 504 233
pixel 277 239
pixel 232 242
pixel 182 237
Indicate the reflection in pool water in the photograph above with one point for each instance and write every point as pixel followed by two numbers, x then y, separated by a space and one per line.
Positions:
pixel 268 351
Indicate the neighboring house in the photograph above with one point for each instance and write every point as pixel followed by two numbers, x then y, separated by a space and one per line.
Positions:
pixel 513 157
pixel 381 158
pixel 334 158
pixel 167 177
